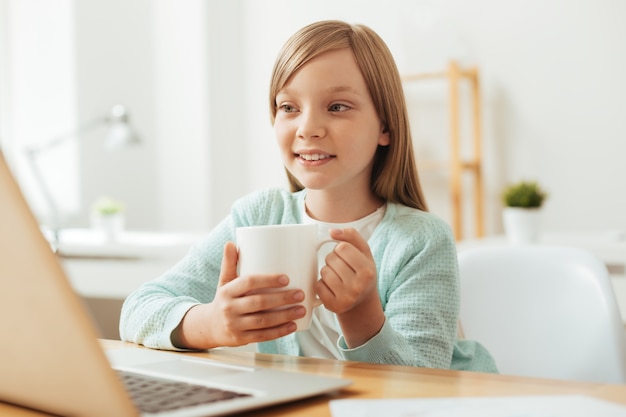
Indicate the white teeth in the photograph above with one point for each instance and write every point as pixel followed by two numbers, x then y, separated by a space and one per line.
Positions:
pixel 314 157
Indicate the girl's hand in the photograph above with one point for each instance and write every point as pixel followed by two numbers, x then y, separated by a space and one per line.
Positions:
pixel 348 287
pixel 242 311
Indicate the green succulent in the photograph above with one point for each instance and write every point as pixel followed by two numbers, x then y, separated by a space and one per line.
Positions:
pixel 525 194
pixel 107 206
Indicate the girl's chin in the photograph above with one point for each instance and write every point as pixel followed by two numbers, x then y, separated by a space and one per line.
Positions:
pixel 312 184
pixel 312 180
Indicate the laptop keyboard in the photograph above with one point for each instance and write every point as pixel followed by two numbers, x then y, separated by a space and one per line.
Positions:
pixel 153 395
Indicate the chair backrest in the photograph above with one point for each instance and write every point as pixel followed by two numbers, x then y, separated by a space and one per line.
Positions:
pixel 543 311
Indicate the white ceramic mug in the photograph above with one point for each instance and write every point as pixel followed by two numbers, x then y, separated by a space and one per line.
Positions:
pixel 289 249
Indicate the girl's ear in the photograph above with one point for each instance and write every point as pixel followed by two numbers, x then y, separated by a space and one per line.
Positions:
pixel 384 138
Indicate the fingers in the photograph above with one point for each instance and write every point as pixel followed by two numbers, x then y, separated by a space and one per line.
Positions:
pixel 269 319
pixel 257 308
pixel 246 309
pixel 263 324
pixel 352 254
pixel 353 237
pixel 349 274
pixel 258 301
pixel 228 270
pixel 263 335
pixel 206 326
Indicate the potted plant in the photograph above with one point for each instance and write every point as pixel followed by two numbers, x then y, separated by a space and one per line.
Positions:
pixel 522 211
pixel 108 217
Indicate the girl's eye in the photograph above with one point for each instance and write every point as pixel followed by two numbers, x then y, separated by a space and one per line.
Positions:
pixel 287 108
pixel 338 107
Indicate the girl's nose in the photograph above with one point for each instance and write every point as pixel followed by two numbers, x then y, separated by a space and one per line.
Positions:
pixel 311 126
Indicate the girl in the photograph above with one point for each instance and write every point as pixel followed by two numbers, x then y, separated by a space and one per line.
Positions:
pixel 389 288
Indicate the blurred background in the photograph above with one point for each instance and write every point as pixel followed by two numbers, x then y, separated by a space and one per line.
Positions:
pixel 194 77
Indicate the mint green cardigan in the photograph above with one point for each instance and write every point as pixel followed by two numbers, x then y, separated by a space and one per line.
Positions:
pixel 418 286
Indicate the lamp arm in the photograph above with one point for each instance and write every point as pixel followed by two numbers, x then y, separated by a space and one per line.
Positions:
pixel 118 116
pixel 35 150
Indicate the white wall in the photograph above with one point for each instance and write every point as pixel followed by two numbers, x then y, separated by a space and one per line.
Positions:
pixel 182 114
pixel 552 73
pixel 114 64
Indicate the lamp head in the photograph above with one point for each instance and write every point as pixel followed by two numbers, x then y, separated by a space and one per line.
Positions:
pixel 120 133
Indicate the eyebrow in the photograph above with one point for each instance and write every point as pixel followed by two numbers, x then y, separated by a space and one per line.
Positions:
pixel 334 89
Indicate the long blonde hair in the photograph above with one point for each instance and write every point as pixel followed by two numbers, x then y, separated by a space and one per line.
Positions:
pixel 394 174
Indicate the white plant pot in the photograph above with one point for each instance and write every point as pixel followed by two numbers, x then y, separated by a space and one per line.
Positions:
pixel 110 225
pixel 522 225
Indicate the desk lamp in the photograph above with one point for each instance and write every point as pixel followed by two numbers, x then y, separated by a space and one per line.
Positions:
pixel 119 135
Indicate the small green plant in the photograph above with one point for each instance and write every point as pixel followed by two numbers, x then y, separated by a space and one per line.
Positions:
pixel 525 194
pixel 107 206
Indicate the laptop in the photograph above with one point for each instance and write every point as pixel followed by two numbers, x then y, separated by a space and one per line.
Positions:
pixel 51 360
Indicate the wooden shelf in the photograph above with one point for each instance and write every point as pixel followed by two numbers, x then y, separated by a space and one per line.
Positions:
pixel 456 165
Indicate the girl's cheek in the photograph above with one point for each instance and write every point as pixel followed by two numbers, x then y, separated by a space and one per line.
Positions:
pixel 282 131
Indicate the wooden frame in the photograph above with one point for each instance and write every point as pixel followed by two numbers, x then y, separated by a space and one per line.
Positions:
pixel 456 164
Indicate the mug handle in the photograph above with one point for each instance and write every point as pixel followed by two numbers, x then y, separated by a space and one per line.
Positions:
pixel 317 302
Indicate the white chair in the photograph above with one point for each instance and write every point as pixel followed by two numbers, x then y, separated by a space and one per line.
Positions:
pixel 543 311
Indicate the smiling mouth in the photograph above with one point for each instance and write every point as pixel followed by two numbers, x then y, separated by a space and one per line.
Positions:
pixel 314 156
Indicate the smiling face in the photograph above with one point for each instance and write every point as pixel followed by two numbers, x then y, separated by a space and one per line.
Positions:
pixel 326 125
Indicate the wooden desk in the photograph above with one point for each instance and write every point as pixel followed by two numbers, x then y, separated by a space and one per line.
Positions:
pixel 384 381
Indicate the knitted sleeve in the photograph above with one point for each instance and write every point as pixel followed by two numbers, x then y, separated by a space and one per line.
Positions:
pixel 153 311
pixel 419 290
